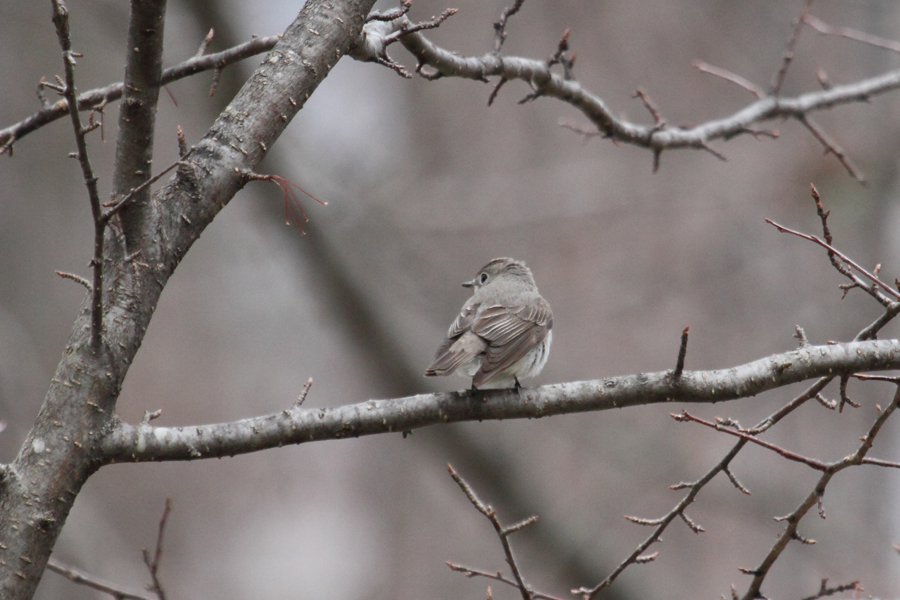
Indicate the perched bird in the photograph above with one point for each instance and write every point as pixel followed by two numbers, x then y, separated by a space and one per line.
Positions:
pixel 502 333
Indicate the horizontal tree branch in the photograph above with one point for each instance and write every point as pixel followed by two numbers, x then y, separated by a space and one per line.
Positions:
pixel 376 37
pixel 298 425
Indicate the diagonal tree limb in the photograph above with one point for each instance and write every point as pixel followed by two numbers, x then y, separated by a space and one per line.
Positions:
pixel 62 449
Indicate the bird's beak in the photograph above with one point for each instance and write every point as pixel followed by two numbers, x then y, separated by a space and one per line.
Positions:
pixel 469 284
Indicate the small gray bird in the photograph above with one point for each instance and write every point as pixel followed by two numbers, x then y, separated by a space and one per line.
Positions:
pixel 502 333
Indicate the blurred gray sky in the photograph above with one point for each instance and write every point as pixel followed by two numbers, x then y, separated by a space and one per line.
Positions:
pixel 425 184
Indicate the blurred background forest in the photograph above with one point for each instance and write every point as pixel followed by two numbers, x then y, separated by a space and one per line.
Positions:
pixel 425 184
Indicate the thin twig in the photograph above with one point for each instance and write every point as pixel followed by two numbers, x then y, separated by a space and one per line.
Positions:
pixel 727 75
pixel 205 43
pixel 824 590
pixel 500 25
pixel 801 335
pixel 303 392
pixel 815 499
pixel 86 579
pixel 650 106
pixel 118 204
pixel 76 279
pixel 61 21
pixel 682 353
pixel 151 415
pixel 407 27
pixel 838 253
pixel 496 90
pixel 832 147
pixel 153 564
pixel 291 201
pixel 496 576
pixel 94 99
pixel 851 34
pixel 586 133
pixel 811 462
pixel 788 56
pixel 502 532
pixel 561 58
pixel 391 15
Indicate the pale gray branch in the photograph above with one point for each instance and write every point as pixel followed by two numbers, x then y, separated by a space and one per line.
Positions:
pixel 298 425
pixel 544 82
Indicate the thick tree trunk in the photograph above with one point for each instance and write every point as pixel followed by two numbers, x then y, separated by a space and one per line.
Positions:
pixel 63 449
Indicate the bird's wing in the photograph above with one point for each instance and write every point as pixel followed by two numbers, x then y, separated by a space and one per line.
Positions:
pixel 510 333
pixel 457 348
pixel 461 351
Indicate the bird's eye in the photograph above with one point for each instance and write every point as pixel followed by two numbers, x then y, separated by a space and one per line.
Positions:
pixel 484 277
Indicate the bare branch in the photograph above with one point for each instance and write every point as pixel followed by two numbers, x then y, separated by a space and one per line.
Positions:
pixel 126 443
pixel 496 576
pixel 690 523
pixel 651 107
pixel 832 147
pixel 891 291
pixel 61 21
pixel 788 56
pixel 694 488
pixel 119 203
pixel 137 118
pixel 502 532
pixel 81 399
pixel 96 99
pixel 86 579
pixel 815 464
pixel 77 279
pixel 392 14
pixel 729 76
pixel 500 25
pixel 682 353
pixel 538 75
pixel 303 392
pixel 543 82
pixel 824 590
pixel 205 43
pixel 735 482
pixel 814 499
pixel 153 564
pixel 851 34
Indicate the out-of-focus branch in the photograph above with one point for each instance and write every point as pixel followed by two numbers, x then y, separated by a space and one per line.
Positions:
pixel 851 34
pixel 153 563
pixel 86 579
pixel 99 97
pixel 298 425
pixel 788 56
pixel 814 498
